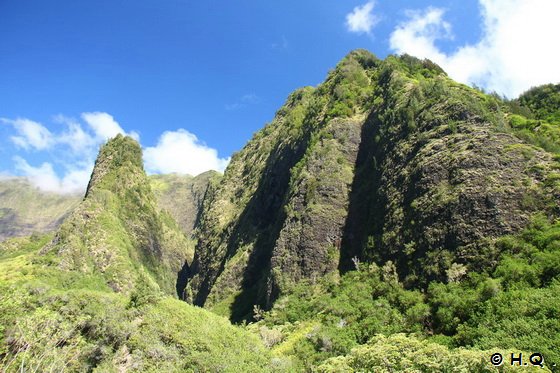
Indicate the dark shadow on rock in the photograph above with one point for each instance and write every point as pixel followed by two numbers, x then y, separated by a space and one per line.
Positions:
pixel 364 205
pixel 182 278
pixel 260 224
pixel 266 215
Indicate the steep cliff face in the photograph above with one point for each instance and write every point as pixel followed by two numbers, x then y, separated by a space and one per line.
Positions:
pixel 385 161
pixel 118 229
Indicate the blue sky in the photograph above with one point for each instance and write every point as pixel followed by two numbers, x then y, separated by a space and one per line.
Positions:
pixel 194 80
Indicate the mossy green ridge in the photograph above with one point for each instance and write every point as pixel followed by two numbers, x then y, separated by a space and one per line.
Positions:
pixel 25 210
pixel 385 161
pixel 118 231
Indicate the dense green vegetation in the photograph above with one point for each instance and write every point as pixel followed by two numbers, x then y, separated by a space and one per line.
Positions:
pixel 543 102
pixel 389 219
pixel 399 353
pixel 515 306
pixel 412 204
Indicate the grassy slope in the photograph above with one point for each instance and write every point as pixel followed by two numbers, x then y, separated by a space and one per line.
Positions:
pixel 53 319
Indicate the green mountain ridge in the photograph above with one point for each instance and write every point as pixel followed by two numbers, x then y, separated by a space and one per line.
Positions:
pixel 118 225
pixel 389 219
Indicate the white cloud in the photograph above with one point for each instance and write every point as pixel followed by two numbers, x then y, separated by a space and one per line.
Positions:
pixel 283 44
pixel 181 152
pixel 105 126
pixel 361 19
pixel 45 178
pixel 75 137
pixel 67 166
pixel 73 148
pixel 31 134
pixel 417 36
pixel 245 100
pixel 515 53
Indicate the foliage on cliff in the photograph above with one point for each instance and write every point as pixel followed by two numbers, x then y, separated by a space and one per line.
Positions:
pixel 385 161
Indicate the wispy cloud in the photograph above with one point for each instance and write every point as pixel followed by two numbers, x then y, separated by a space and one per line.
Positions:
pixel 182 152
pixel 45 178
pixel 75 136
pixel 361 20
pixel 417 35
pixel 282 44
pixel 30 134
pixel 245 100
pixel 105 126
pixel 69 154
pixel 73 149
pixel 514 54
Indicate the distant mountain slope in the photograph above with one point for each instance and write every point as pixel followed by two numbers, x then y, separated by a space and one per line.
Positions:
pixel 181 195
pixel 24 209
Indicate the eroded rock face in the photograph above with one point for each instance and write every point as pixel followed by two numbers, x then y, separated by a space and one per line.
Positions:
pixel 309 242
pixel 385 161
pixel 439 196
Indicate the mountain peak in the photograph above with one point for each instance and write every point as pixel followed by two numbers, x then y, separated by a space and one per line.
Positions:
pixel 118 161
pixel 118 230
